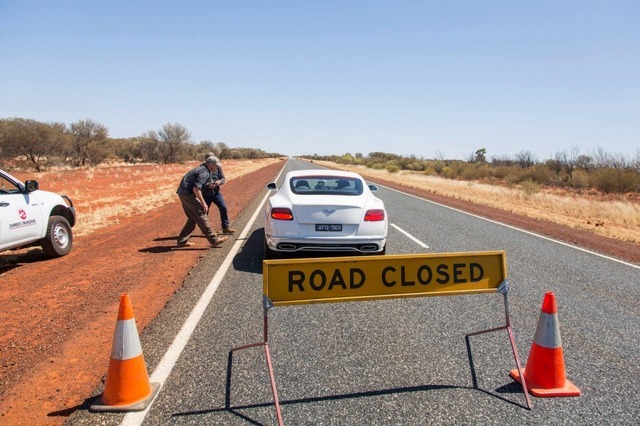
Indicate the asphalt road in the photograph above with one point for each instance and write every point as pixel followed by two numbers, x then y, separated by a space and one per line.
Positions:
pixel 401 361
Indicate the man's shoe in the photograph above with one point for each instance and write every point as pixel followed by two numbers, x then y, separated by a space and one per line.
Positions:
pixel 219 241
pixel 228 231
pixel 186 244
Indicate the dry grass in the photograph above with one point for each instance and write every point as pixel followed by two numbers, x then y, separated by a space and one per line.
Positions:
pixel 106 194
pixel 616 218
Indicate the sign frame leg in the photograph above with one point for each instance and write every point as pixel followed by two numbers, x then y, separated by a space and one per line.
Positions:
pixel 267 304
pixel 504 290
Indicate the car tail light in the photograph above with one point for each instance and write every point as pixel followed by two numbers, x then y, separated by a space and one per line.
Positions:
pixel 375 215
pixel 281 213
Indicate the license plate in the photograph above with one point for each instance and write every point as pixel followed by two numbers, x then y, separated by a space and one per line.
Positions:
pixel 328 227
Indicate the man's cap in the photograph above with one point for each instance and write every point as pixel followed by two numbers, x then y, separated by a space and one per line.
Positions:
pixel 213 160
pixel 209 154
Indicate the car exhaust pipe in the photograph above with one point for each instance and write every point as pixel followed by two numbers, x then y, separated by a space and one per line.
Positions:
pixel 286 246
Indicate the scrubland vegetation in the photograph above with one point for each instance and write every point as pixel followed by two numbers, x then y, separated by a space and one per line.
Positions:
pixel 611 215
pixel 597 191
pixel 108 193
pixel 601 171
pixel 38 145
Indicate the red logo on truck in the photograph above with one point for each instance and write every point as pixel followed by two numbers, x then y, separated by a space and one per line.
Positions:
pixel 23 214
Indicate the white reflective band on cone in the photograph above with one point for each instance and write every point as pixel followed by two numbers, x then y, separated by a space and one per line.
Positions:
pixel 548 331
pixel 126 342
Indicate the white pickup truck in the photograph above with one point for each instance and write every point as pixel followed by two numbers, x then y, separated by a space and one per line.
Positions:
pixel 29 216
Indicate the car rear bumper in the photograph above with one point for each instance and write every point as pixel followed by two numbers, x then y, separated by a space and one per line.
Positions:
pixel 289 245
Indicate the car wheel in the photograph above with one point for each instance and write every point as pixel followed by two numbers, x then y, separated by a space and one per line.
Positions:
pixel 270 254
pixel 59 238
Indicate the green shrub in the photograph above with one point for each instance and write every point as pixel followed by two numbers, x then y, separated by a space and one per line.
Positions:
pixel 512 179
pixel 375 166
pixel 475 171
pixel 430 171
pixel 437 166
pixel 542 174
pixel 501 172
pixel 416 166
pixel 616 180
pixel 392 168
pixel 529 187
pixel 517 175
pixel 580 179
pixel 448 173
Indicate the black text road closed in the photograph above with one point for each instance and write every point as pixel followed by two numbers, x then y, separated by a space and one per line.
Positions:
pixel 295 281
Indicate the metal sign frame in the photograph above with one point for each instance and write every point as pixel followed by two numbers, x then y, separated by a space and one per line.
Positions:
pixel 502 288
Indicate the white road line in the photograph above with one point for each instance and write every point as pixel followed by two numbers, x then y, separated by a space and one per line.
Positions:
pixel 411 237
pixel 516 229
pixel 168 361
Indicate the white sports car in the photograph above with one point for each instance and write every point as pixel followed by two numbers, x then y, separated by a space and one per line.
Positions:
pixel 324 211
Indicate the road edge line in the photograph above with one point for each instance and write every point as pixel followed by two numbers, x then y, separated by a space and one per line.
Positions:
pixel 169 359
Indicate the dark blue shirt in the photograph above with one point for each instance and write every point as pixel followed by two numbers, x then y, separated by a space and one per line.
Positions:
pixel 195 178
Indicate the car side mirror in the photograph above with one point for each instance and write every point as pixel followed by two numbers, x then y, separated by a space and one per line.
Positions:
pixel 31 185
pixel 272 186
pixel 372 187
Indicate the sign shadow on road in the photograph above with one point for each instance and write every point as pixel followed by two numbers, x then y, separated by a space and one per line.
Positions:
pixel 324 280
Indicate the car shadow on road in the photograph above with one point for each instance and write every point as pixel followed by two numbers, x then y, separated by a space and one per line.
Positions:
pixel 249 258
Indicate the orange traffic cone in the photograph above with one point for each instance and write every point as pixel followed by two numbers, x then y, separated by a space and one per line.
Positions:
pixel 127 387
pixel 544 373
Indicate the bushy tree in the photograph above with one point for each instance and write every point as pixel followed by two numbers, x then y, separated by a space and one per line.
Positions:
pixel 90 145
pixel 480 156
pixel 37 142
pixel 222 150
pixel 172 142
pixel 127 149
pixel 149 148
pixel 204 148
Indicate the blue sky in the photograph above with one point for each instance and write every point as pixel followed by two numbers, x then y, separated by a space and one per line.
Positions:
pixel 426 78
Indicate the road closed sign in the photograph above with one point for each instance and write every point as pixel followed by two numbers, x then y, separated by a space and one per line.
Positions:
pixel 298 281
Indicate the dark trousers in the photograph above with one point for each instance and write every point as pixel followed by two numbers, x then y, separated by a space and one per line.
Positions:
pixel 195 216
pixel 218 200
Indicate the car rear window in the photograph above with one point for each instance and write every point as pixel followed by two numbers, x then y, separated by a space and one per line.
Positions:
pixel 328 185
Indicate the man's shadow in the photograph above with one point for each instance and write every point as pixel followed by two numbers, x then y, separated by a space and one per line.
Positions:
pixel 172 247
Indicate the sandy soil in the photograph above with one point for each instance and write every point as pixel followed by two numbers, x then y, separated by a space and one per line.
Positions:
pixel 58 315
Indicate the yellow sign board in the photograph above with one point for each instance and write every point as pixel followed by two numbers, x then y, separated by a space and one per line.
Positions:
pixel 298 281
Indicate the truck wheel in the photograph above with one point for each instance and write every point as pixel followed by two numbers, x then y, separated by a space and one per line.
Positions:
pixel 59 239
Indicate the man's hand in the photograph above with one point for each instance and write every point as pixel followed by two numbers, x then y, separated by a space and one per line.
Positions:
pixel 198 193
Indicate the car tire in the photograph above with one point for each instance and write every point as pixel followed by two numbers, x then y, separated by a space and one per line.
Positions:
pixel 59 238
